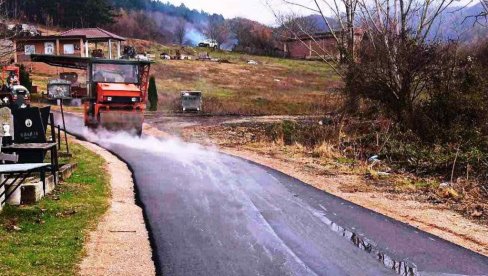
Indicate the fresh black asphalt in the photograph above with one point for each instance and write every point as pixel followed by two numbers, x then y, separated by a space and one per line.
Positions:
pixel 212 214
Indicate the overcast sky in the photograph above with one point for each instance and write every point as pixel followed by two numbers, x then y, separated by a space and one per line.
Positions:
pixel 251 9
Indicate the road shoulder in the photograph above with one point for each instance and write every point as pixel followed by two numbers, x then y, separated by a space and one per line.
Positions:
pixel 120 243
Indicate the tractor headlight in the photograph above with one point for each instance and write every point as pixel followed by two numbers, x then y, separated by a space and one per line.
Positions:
pixel 134 100
pixel 109 99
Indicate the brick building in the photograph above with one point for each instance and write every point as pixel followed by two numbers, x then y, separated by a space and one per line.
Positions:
pixel 316 46
pixel 50 45
pixel 75 42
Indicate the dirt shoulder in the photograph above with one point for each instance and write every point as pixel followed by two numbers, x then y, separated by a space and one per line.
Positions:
pixel 120 243
pixel 436 219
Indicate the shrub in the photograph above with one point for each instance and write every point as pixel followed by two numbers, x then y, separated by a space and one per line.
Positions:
pixel 153 94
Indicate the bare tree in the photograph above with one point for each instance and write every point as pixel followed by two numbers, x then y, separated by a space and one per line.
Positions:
pixel 180 31
pixel 388 25
pixel 482 15
pixel 294 26
pixel 6 45
pixel 218 30
pixel 484 3
pixel 341 24
pixel 395 30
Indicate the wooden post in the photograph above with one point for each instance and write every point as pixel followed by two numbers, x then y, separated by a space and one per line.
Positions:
pixel 57 47
pixel 81 47
pixel 118 50
pixel 310 48
pixel 110 48
pixel 86 48
pixel 15 52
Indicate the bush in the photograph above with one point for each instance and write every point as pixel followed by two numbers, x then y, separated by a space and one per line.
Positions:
pixel 431 89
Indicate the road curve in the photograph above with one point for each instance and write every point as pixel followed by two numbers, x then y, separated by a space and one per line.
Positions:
pixel 212 214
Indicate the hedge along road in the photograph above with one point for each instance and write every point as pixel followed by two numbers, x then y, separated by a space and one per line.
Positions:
pixel 212 214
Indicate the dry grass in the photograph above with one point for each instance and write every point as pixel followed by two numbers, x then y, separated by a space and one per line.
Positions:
pixel 273 87
pixel 325 150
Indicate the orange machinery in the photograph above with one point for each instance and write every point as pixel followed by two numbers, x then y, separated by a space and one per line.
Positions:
pixel 117 90
pixel 7 70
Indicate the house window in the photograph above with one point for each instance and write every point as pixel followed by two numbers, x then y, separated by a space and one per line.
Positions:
pixel 49 48
pixel 69 49
pixel 30 49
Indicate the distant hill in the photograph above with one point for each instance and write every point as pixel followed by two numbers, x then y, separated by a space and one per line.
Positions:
pixel 320 24
pixel 454 24
pixel 462 24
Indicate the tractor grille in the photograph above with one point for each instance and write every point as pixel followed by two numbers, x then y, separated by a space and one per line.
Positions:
pixel 121 100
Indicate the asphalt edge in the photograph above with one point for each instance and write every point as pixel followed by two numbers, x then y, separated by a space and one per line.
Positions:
pixel 373 250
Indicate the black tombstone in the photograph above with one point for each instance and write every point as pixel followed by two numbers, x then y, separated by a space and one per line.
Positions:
pixel 30 127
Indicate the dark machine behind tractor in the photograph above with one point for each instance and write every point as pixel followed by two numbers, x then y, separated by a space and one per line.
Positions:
pixel 78 91
pixel 12 93
pixel 117 90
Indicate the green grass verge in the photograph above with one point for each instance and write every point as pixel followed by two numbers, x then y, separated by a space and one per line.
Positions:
pixel 53 231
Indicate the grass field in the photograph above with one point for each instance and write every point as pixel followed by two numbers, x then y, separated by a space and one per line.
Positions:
pixel 274 86
pixel 52 232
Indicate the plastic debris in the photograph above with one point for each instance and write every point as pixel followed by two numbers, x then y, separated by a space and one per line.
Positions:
pixel 374 158
pixel 445 185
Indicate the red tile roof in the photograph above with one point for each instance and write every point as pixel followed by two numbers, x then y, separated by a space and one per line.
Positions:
pixel 93 34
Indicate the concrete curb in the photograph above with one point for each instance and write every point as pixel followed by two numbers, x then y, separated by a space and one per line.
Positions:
pixel 120 243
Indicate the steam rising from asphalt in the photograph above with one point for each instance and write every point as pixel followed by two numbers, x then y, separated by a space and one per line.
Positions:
pixel 174 148
pixel 188 154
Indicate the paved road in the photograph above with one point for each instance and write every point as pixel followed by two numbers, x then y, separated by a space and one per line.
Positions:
pixel 211 214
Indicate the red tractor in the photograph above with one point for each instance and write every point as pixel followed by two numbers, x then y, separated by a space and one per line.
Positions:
pixel 117 90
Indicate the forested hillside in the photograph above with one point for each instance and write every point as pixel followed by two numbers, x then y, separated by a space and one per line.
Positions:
pixel 133 18
pixel 190 15
pixel 63 13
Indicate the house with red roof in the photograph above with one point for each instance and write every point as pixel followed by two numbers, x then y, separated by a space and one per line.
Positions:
pixel 84 42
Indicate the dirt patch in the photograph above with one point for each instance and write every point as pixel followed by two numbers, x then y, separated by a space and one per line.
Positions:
pixel 120 243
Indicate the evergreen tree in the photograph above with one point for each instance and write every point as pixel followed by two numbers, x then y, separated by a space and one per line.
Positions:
pixel 24 78
pixel 153 94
